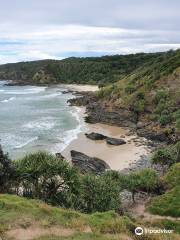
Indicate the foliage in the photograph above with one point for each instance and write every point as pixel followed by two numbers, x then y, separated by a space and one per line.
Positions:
pixel 16 210
pixel 53 180
pixel 144 180
pixel 173 175
pixel 167 155
pixel 99 193
pixel 167 204
pixel 49 178
pixel 7 172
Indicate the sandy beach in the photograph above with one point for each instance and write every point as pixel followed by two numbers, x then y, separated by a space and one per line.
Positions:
pixel 117 157
pixel 80 87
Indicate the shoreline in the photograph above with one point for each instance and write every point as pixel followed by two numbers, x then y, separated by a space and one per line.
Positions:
pixel 120 158
pixel 79 87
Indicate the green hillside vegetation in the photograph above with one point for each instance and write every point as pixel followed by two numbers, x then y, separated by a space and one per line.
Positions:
pixel 21 215
pixel 152 92
pixel 92 70
pixel 168 204
pixel 86 205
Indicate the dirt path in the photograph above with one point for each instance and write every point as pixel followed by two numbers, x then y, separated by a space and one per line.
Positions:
pixel 36 232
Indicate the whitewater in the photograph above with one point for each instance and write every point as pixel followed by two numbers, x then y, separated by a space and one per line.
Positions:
pixel 34 118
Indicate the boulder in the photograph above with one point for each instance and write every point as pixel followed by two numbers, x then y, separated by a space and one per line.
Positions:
pixel 59 155
pixel 115 141
pixel 95 136
pixel 88 164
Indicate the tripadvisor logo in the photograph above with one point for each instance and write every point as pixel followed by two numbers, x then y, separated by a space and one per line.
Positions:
pixel 139 231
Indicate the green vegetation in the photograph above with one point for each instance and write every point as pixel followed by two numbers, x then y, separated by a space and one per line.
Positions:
pixel 25 212
pixel 151 92
pixel 167 204
pixel 95 70
pixel 173 176
pixel 7 172
pixel 146 180
pixel 167 155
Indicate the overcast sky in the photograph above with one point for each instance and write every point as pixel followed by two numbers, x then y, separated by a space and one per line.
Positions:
pixel 55 29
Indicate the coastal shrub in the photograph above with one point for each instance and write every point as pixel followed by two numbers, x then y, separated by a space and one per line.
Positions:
pixel 167 204
pixel 161 94
pixel 178 124
pixel 165 119
pixel 49 178
pixel 145 180
pixel 99 194
pixel 173 175
pixel 167 155
pixel 139 106
pixel 7 172
pixel 130 88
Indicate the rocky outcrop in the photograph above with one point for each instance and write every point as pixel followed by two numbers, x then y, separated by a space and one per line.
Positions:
pixel 101 111
pixel 115 141
pixel 88 164
pixel 95 136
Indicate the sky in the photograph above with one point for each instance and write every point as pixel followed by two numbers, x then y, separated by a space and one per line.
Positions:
pixel 56 29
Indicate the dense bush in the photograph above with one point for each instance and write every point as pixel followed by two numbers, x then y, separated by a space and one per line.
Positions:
pixel 173 175
pixel 7 172
pixel 99 194
pixel 144 180
pixel 53 180
pixel 167 204
pixel 49 178
pixel 167 155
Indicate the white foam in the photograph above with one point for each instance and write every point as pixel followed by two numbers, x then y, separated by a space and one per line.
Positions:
pixel 53 95
pixel 8 100
pixel 26 143
pixel 33 90
pixel 71 135
pixel 40 124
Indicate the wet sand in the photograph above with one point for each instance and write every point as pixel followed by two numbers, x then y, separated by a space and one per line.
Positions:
pixel 117 157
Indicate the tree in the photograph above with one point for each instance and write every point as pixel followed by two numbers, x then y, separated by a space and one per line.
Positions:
pixel 99 193
pixel 7 172
pixel 146 180
pixel 49 178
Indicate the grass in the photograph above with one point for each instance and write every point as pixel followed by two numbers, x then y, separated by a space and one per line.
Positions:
pixel 17 212
pixel 79 236
pixel 167 204
pixel 21 212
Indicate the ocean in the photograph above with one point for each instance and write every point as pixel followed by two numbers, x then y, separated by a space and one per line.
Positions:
pixel 36 118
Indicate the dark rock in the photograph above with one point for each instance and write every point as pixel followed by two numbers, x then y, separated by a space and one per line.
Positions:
pixel 59 155
pixel 95 136
pixel 88 164
pixel 115 141
pixel 66 91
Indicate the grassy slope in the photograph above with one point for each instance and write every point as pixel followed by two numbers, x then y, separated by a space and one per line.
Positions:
pixel 20 213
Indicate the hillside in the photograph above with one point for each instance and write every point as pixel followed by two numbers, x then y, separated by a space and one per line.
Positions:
pixel 91 70
pixel 23 219
pixel 147 99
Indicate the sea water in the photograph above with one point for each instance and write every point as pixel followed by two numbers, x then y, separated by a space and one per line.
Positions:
pixel 36 118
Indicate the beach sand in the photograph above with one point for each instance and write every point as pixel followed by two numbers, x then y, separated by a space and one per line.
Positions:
pixel 117 157
pixel 80 87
